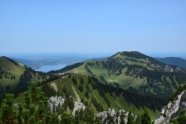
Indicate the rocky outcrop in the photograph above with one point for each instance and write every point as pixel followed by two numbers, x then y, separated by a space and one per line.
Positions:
pixel 54 86
pixel 172 108
pixel 55 103
pixel 116 116
pixel 77 107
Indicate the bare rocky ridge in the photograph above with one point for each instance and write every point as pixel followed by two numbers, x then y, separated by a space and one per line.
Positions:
pixel 115 115
pixel 56 102
pixel 171 109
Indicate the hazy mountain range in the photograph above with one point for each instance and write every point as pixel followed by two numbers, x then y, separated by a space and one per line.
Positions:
pixel 173 61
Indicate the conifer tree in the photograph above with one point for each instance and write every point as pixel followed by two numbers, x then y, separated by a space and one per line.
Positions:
pixel 7 110
pixel 130 119
pixel 145 118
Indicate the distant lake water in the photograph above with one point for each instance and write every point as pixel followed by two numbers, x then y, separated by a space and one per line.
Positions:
pixel 50 62
pixel 47 68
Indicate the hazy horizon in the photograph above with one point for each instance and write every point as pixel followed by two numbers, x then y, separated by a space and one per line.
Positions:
pixel 87 55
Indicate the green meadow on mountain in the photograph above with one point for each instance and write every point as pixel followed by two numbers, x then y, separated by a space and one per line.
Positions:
pixel 134 72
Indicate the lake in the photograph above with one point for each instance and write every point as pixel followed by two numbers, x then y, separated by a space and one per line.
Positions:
pixel 50 62
pixel 47 68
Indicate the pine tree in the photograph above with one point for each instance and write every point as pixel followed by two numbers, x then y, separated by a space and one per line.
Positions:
pixel 26 116
pixel 145 118
pixel 27 100
pixel 89 116
pixel 20 112
pixel 130 119
pixel 122 116
pixel 182 118
pixel 7 110
pixel 138 120
pixel 33 93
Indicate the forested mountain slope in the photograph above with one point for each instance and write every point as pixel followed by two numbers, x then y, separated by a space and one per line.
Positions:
pixel 133 71
pixel 16 77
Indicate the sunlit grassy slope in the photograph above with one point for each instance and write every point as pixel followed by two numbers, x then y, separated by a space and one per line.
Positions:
pixel 15 77
pixel 12 69
pixel 133 70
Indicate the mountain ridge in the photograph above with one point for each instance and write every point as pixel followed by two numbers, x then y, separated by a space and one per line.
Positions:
pixel 128 69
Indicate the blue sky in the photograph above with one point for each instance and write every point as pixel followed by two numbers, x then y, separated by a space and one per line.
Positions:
pixel 156 27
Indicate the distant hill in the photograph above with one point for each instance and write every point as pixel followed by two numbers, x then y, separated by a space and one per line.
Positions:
pixel 15 77
pixel 133 71
pixel 173 61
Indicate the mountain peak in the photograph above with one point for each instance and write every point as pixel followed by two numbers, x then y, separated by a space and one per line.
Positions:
pixel 130 54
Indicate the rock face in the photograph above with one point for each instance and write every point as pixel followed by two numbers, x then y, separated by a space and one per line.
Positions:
pixel 183 101
pixel 77 107
pixel 116 116
pixel 55 103
pixel 171 109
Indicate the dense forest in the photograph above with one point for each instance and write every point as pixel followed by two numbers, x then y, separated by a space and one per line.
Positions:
pixel 34 110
